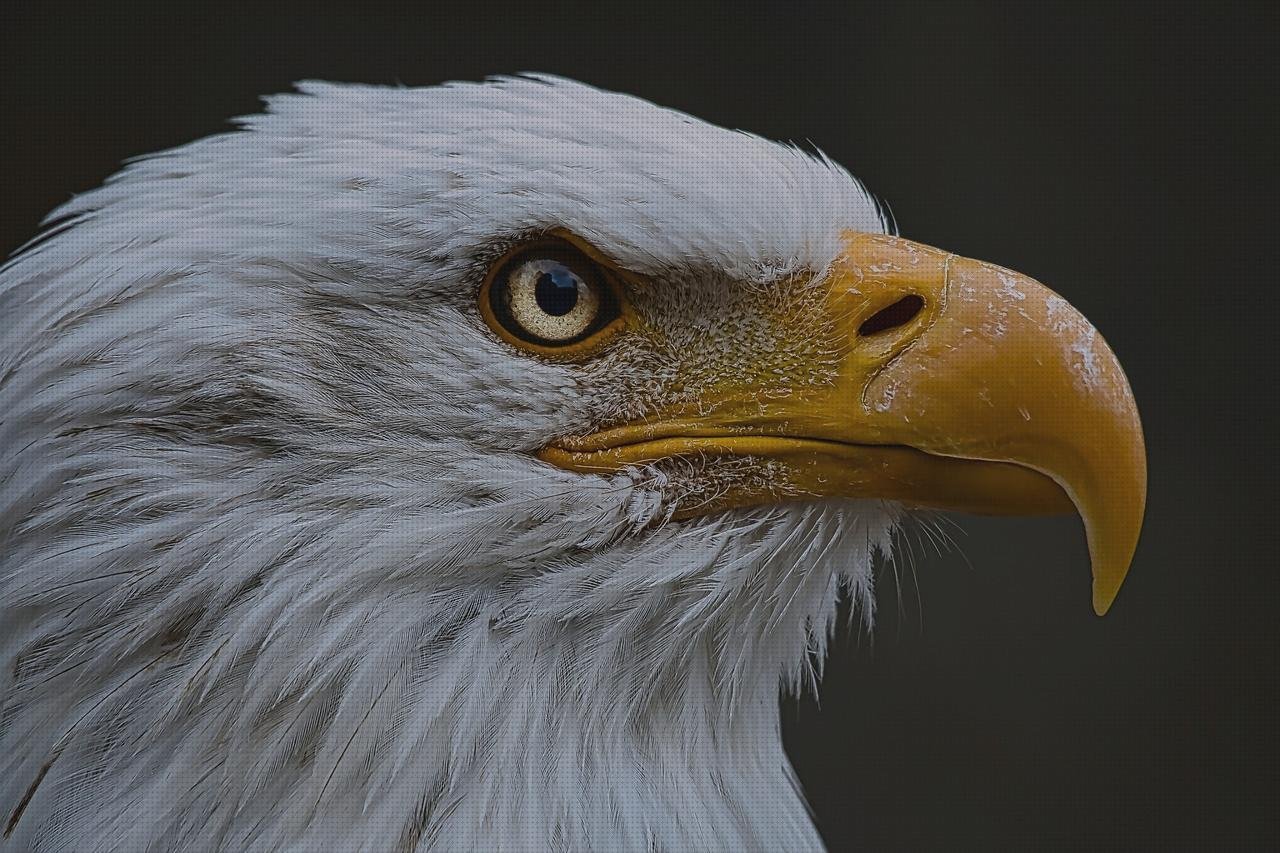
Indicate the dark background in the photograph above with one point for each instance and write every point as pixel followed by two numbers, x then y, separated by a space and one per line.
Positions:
pixel 1125 154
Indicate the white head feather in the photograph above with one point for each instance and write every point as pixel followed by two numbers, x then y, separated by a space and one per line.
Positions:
pixel 278 570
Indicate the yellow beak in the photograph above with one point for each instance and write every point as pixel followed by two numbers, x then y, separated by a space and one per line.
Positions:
pixel 961 386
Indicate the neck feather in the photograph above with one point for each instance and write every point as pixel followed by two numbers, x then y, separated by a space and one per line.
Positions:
pixel 623 695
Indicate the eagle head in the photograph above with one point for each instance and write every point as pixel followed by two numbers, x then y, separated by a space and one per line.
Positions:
pixel 467 467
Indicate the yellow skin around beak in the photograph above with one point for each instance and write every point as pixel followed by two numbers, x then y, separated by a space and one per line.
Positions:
pixel 986 393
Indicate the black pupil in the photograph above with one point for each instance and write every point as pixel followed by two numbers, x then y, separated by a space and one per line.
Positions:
pixel 557 290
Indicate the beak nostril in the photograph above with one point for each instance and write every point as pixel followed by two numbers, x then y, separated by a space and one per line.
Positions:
pixel 891 317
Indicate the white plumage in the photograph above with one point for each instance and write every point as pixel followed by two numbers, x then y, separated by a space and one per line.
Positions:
pixel 279 570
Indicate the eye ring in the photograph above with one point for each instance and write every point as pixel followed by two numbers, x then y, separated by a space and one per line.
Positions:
pixel 551 298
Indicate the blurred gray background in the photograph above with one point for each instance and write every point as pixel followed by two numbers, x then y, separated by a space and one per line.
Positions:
pixel 1124 154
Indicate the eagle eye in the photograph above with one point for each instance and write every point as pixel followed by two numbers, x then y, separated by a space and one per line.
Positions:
pixel 550 297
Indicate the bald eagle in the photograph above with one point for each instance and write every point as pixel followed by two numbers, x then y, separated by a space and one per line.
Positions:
pixel 469 467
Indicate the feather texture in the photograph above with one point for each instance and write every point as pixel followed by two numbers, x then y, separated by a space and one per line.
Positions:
pixel 278 571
